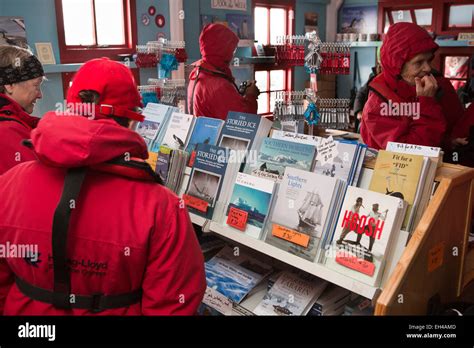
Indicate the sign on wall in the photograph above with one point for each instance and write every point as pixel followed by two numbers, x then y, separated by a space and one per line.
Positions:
pixel 239 5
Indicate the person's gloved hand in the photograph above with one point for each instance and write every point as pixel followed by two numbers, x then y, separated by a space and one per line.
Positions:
pixel 252 89
pixel 426 86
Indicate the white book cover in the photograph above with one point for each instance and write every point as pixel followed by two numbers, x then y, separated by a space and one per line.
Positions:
pixel 252 195
pixel 304 206
pixel 154 119
pixel 290 295
pixel 364 230
pixel 178 131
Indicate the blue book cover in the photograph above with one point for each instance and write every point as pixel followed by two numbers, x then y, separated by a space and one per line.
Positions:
pixel 234 276
pixel 163 163
pixel 275 155
pixel 167 111
pixel 240 129
pixel 206 131
pixel 252 195
pixel 207 176
pixel 155 115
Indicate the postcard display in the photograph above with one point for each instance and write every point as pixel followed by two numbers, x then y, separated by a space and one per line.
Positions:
pixel 302 199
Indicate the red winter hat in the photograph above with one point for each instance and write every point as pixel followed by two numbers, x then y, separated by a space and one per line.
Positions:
pixel 217 45
pixel 402 42
pixel 115 84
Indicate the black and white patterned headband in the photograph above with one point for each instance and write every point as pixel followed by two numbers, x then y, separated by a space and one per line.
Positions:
pixel 28 69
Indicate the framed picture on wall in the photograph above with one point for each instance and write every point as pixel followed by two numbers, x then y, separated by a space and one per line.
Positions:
pixel 44 51
pixel 456 69
pixel 359 19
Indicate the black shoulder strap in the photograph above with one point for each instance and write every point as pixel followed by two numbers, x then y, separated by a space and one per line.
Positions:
pixel 62 278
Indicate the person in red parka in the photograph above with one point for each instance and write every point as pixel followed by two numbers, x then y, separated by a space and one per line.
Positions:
pixel 212 91
pixel 110 239
pixel 409 102
pixel 21 76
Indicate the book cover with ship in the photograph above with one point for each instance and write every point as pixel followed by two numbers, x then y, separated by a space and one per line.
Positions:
pixel 302 211
pixel 397 174
pixel 363 234
pixel 290 295
pixel 233 274
pixel 252 195
pixel 275 155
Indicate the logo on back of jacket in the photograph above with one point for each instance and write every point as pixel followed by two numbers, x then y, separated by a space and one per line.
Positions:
pixel 86 267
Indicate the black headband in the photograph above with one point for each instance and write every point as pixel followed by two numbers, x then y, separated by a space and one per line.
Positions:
pixel 28 69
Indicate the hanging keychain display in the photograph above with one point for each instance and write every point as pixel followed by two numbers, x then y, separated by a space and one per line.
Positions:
pixel 289 50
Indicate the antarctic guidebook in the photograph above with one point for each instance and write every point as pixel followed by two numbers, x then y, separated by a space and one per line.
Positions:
pixel 206 179
pixel 234 274
pixel 253 196
pixel 275 155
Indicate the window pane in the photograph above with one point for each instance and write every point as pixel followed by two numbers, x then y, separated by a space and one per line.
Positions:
pixel 424 16
pixel 461 16
pixel 109 22
pixel 387 23
pixel 262 80
pixel 401 16
pixel 261 25
pixel 277 24
pixel 263 103
pixel 277 80
pixel 78 22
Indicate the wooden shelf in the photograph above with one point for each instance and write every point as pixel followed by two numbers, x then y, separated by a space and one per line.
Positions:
pixel 310 267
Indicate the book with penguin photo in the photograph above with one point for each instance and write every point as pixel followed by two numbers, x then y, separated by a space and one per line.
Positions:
pixel 178 130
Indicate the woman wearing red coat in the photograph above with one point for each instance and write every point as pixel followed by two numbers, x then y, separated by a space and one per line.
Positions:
pixel 110 239
pixel 212 91
pixel 21 76
pixel 407 102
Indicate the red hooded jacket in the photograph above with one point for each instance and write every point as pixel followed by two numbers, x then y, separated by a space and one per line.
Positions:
pixel 437 116
pixel 124 233
pixel 215 93
pixel 15 126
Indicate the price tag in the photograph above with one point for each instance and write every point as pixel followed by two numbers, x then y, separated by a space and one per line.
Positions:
pixel 355 263
pixel 152 159
pixel 435 257
pixel 192 158
pixel 327 151
pixel 216 300
pixel 290 235
pixel 237 218
pixel 196 203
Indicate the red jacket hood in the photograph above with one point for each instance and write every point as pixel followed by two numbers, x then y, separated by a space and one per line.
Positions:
pixel 217 45
pixel 75 141
pixel 11 109
pixel 402 42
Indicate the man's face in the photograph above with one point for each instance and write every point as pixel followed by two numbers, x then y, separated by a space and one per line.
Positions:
pixel 418 66
pixel 26 93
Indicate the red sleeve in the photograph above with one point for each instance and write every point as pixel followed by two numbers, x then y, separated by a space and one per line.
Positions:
pixel 461 130
pixel 174 280
pixel 378 129
pixel 6 281
pixel 12 151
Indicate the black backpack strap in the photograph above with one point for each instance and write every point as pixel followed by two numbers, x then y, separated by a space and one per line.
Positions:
pixel 61 296
pixel 62 278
